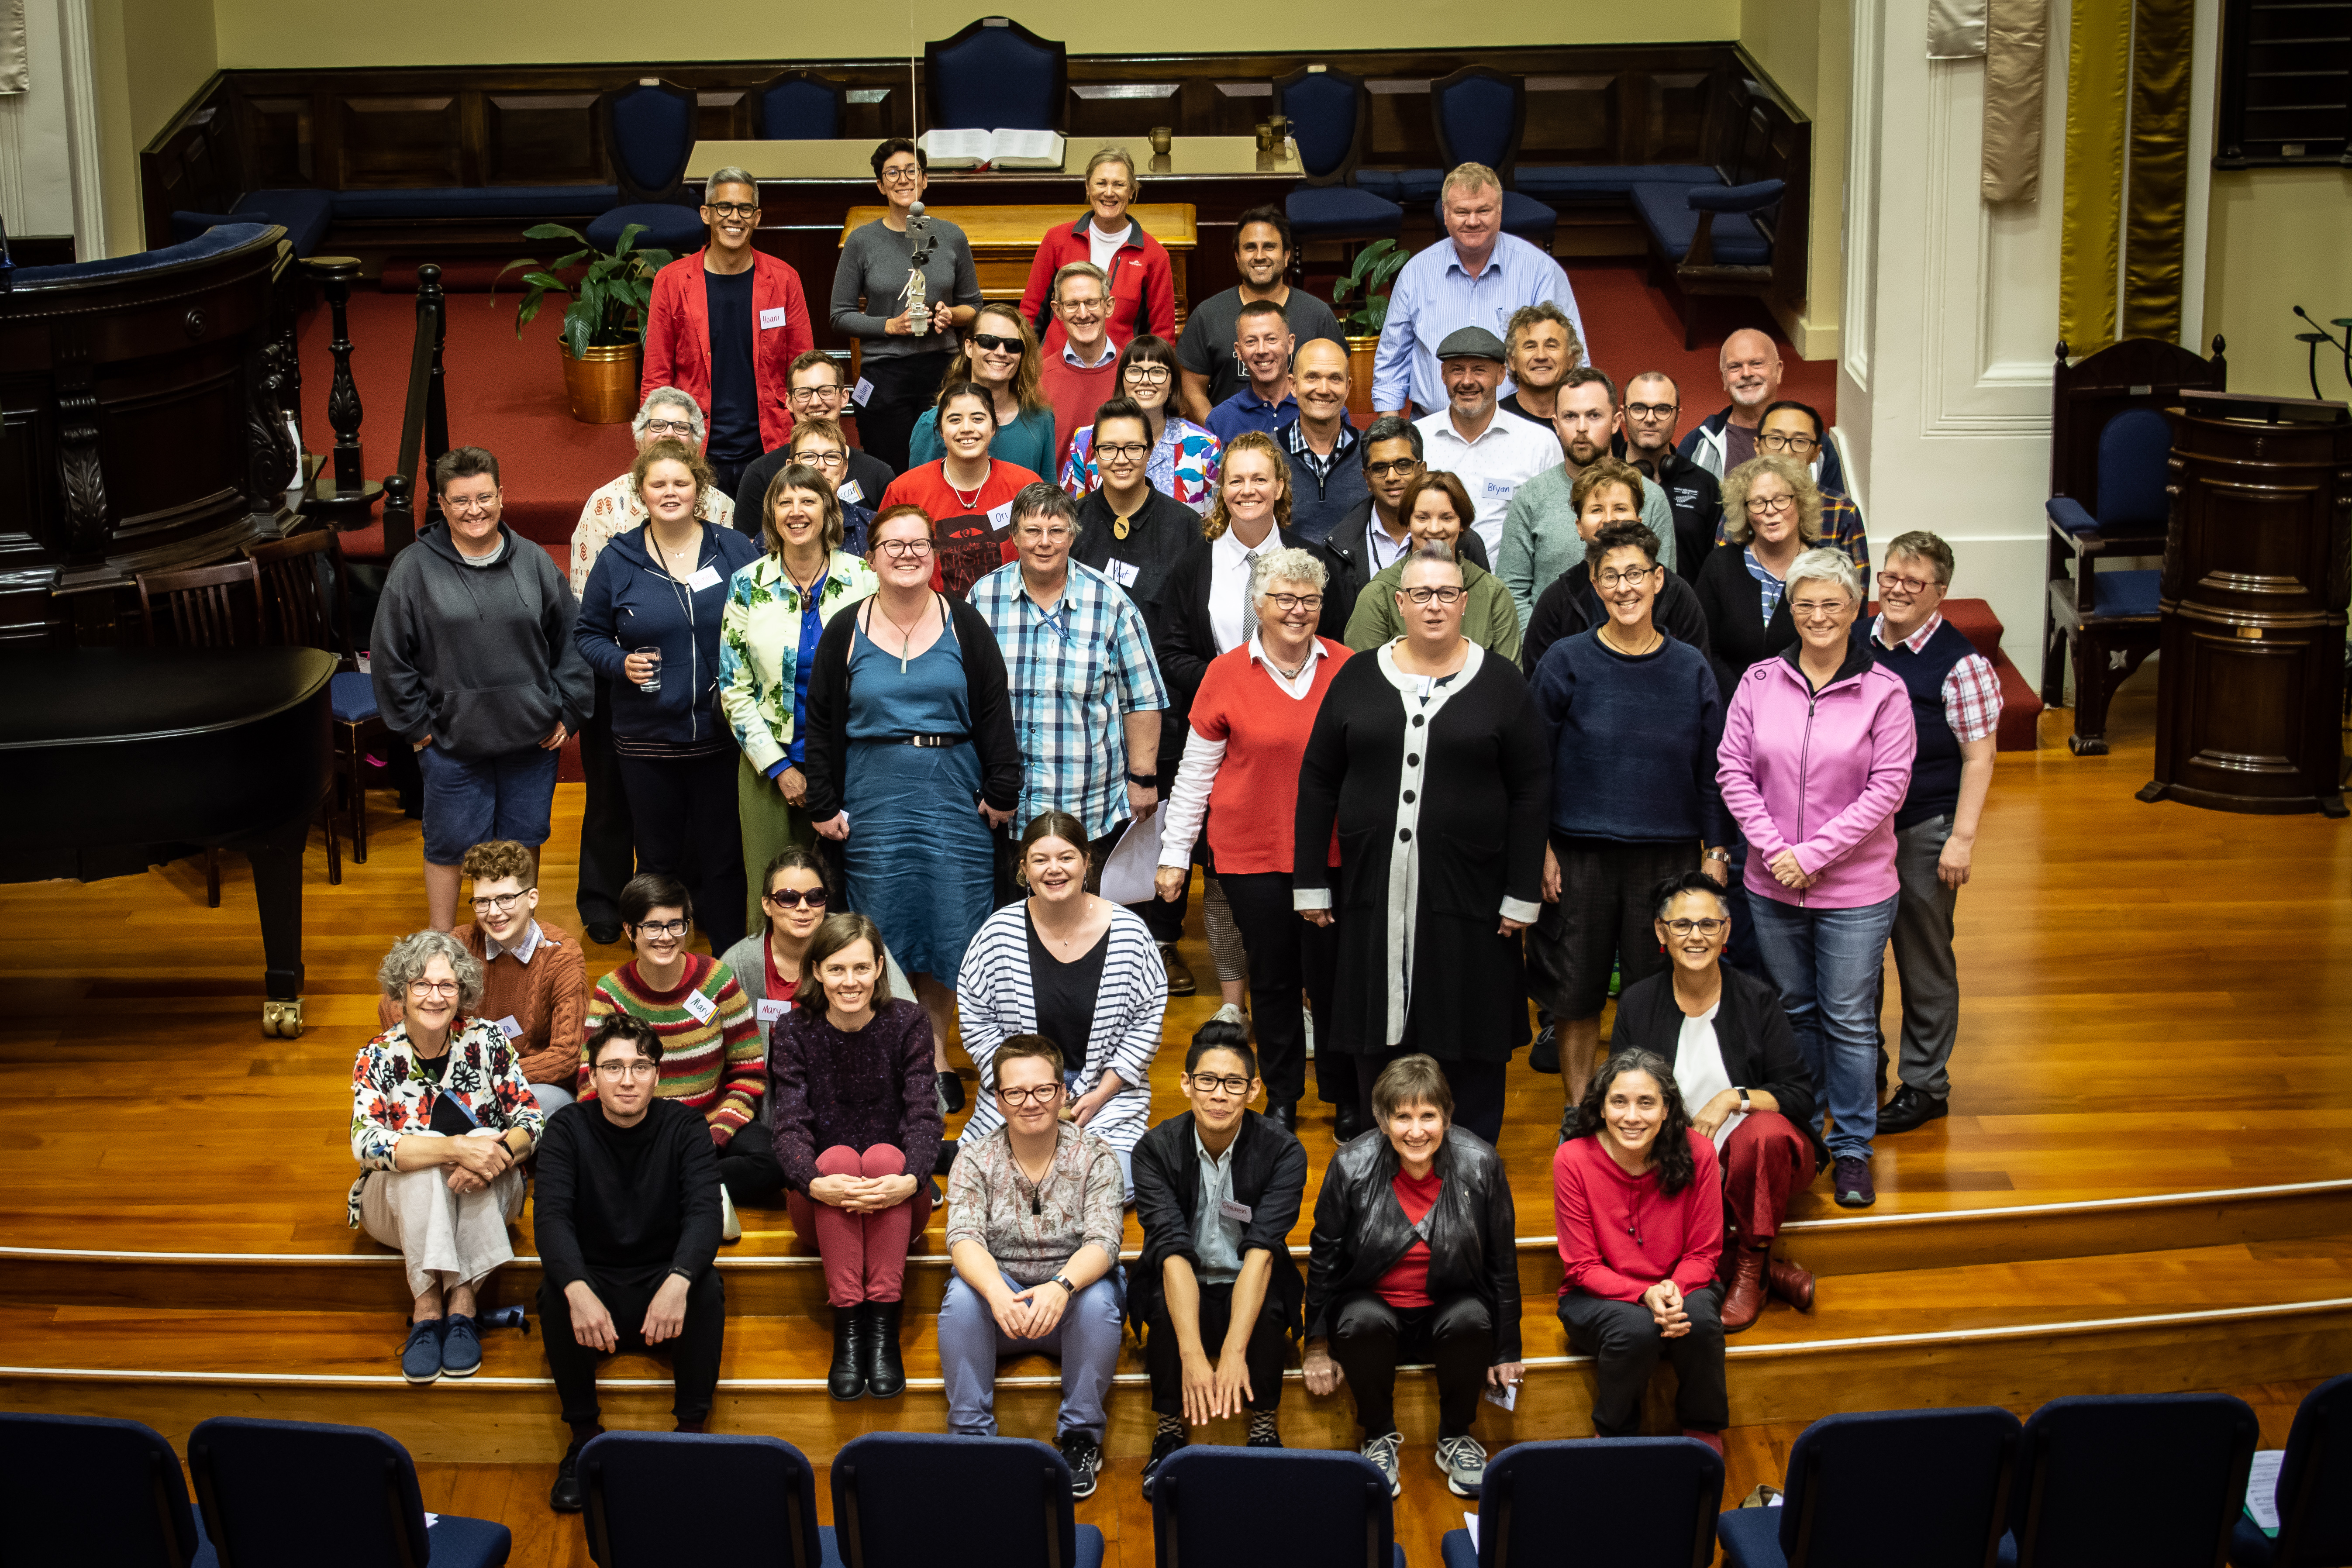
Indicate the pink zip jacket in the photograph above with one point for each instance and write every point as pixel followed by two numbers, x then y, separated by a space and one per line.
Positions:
pixel 1820 773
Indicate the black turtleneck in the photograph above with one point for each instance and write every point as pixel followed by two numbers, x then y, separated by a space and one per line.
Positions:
pixel 627 1200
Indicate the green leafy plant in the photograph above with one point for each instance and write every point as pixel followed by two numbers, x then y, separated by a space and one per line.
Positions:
pixel 610 297
pixel 1367 282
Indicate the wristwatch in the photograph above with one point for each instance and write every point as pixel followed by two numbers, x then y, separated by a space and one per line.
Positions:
pixel 1722 855
pixel 1064 1282
pixel 1743 1102
pixel 1148 780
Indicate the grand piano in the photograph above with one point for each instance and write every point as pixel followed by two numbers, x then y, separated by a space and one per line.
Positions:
pixel 113 759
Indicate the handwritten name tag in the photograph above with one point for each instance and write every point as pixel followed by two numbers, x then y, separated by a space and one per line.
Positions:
pixel 1001 516
pixel 772 1008
pixel 850 490
pixel 511 1027
pixel 1124 572
pixel 706 578
pixel 769 319
pixel 1239 1213
pixel 703 1008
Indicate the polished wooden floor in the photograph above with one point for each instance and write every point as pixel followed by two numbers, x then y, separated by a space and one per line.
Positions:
pixel 2146 1182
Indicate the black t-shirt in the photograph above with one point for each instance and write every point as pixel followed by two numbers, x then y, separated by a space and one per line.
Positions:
pixel 1207 346
pixel 734 385
pixel 1065 992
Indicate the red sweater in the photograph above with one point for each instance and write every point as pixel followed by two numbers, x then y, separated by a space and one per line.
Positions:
pixel 1075 394
pixel 1406 1284
pixel 926 486
pixel 1142 285
pixel 1264 730
pixel 1619 1235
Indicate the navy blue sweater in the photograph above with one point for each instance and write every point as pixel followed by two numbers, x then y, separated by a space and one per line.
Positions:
pixel 633 603
pixel 1633 741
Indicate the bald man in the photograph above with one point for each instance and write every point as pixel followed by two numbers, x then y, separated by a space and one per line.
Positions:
pixel 1750 362
pixel 1327 477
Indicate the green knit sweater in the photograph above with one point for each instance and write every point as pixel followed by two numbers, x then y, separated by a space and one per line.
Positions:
pixel 712 1059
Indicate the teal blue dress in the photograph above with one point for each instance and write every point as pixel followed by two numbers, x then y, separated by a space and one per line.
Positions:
pixel 1027 442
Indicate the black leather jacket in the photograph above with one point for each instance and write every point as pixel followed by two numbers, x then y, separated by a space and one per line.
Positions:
pixel 1361 1232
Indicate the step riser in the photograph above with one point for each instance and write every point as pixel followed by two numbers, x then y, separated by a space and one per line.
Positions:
pixel 477 1423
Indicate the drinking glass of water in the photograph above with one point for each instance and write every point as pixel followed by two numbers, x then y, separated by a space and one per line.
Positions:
pixel 651 683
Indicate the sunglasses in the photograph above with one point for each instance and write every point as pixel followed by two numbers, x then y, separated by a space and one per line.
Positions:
pixel 1002 345
pixel 792 898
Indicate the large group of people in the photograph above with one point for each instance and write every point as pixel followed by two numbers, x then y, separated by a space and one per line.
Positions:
pixel 883 718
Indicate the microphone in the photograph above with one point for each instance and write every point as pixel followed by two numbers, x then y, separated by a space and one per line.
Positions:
pixel 915 211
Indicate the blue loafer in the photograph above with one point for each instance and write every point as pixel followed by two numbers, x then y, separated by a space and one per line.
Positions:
pixel 461 1347
pixel 420 1358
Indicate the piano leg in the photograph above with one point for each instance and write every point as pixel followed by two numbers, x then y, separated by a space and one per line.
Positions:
pixel 276 859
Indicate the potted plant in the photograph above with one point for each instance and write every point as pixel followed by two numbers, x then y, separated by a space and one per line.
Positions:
pixel 1367 282
pixel 604 337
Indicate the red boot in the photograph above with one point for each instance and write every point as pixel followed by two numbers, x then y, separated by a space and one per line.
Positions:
pixel 1745 1298
pixel 1791 1283
pixel 1712 1439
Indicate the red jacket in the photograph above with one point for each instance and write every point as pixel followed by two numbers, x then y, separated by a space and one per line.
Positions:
pixel 1142 285
pixel 677 338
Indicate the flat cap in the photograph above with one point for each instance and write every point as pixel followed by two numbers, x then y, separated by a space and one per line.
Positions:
pixel 1472 342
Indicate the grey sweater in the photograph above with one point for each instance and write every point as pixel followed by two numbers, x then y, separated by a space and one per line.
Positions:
pixel 874 262
pixel 479 658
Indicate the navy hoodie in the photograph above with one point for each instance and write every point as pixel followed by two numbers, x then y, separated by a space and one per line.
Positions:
pixel 632 603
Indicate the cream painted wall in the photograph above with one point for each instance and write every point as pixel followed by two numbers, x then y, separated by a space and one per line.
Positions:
pixel 273 33
pixel 2278 239
pixel 149 57
pixel 1805 46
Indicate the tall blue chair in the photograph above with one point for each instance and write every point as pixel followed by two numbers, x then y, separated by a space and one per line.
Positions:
pixel 1299 1508
pixel 2314 1489
pixel 2150 1481
pixel 82 1489
pixel 1479 114
pixel 797 106
pixel 1928 1489
pixel 891 1490
pixel 996 74
pixel 1331 112
pixel 294 1494
pixel 1546 1505
pixel 648 129
pixel 649 1501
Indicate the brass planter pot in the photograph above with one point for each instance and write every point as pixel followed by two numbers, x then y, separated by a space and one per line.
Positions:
pixel 1360 375
pixel 603 384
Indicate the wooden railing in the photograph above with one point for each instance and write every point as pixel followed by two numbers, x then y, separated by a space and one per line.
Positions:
pixel 425 423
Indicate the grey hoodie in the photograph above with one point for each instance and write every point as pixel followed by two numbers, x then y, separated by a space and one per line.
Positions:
pixel 479 658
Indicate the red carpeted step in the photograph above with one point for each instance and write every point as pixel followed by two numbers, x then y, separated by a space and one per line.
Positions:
pixel 2021 705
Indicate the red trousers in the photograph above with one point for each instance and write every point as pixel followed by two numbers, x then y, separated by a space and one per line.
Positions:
pixel 1767 1161
pixel 865 1254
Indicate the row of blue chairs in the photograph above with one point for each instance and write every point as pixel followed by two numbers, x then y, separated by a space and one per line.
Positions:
pixel 2133 1481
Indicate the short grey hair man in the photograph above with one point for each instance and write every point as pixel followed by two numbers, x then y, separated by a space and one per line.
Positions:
pixel 404 965
pixel 679 403
pixel 730 175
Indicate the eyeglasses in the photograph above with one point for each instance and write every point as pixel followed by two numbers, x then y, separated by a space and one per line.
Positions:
pixel 1148 375
pixel 1704 928
pixel 1001 345
pixel 1624 579
pixel 793 898
pixel 1818 609
pixel 1770 504
pixel 669 427
pixel 902 173
pixel 472 506
pixel 822 460
pixel 1382 470
pixel 1124 451
pixel 1209 1083
pixel 1056 534
pixel 905 549
pixel 1079 307
pixel 1777 442
pixel 1291 604
pixel 733 209
pixel 432 988
pixel 1043 1094
pixel 1647 411
pixel 665 928
pixel 828 392
pixel 502 903
pixel 1440 595
pixel 616 1071
pixel 1889 581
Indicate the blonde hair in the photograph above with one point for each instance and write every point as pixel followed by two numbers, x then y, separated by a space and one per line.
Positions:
pixel 1070 270
pixel 1796 475
pixel 670 449
pixel 1213 526
pixel 1028 382
pixel 1123 158
pixel 1469 177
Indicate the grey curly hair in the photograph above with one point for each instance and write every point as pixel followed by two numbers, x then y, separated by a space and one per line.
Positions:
pixel 405 964
pixel 1286 565
pixel 668 397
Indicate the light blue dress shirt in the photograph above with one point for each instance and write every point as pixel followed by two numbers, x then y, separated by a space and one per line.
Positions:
pixel 1434 296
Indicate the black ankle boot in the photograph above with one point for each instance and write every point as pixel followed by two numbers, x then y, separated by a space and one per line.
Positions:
pixel 847 1377
pixel 886 1373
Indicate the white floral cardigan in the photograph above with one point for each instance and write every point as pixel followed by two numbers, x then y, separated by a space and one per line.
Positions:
pixel 759 647
pixel 391 1097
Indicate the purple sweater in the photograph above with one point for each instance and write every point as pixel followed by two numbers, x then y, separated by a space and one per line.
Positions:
pixel 875 1086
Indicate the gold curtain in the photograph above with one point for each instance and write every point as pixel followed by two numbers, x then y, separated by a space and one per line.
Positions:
pixel 2120 248
pixel 2156 204
pixel 2098 79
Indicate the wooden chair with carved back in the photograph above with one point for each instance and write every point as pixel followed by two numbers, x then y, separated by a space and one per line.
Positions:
pixel 306 601
pixel 214 606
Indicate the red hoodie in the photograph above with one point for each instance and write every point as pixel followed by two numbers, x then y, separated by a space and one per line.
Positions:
pixel 1142 286
pixel 1619 1235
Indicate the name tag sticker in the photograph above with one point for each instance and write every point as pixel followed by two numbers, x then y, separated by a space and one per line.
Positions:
pixel 1001 516
pixel 772 1008
pixel 861 392
pixel 1506 1396
pixel 850 490
pixel 706 578
pixel 703 1008
pixel 1230 1210
pixel 1124 572
pixel 1500 489
pixel 511 1027
pixel 770 320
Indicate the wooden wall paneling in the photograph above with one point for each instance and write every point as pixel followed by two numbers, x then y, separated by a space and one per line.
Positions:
pixel 280 140
pixel 472 139
pixel 722 114
pixel 1679 107
pixel 405 139
pixel 1099 111
pixel 542 137
pixel 1572 120
pixel 1401 134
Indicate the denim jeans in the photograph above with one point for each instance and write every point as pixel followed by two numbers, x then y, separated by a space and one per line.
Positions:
pixel 1826 965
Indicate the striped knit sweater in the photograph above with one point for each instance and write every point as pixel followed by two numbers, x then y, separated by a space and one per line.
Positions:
pixel 712 1062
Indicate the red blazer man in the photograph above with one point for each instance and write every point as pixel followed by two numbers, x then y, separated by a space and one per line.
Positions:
pixel 1142 286
pixel 677 337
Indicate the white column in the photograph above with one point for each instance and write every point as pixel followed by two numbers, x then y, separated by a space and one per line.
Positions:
pixel 85 165
pixel 2204 77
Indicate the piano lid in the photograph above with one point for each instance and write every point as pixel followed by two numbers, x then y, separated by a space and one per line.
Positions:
pixel 103 696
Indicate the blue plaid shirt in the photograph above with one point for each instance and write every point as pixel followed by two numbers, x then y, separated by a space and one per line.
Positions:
pixel 1074 676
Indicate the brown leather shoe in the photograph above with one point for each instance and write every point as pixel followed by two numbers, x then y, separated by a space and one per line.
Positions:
pixel 1791 1283
pixel 1744 1300
pixel 1180 973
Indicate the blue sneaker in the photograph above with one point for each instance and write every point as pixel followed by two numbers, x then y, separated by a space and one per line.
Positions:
pixel 420 1358
pixel 461 1347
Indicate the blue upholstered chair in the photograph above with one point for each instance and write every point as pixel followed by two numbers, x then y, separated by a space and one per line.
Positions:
pixel 83 1490
pixel 648 128
pixel 1928 1488
pixel 293 1494
pixel 1713 240
pixel 2314 1489
pixel 306 602
pixel 1298 1508
pixel 2148 1480
pixel 892 1491
pixel 1479 114
pixel 650 1503
pixel 996 74
pixel 1329 113
pixel 1548 1505
pixel 797 106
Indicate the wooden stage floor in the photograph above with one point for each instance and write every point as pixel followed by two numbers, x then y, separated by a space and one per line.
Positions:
pixel 2146 1182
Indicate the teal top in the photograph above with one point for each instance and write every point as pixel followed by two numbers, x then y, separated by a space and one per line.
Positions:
pixel 1027 442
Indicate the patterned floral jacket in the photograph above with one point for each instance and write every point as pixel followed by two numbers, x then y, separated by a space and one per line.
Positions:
pixel 759 647
pixel 392 1098
pixel 1183 464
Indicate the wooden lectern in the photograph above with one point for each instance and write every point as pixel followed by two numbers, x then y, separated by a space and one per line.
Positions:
pixel 2251 674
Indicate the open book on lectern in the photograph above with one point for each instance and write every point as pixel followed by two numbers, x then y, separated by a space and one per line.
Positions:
pixel 997 149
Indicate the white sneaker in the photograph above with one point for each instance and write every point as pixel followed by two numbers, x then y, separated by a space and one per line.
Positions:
pixel 1464 1464
pixel 729 1227
pixel 1382 1451
pixel 1228 1013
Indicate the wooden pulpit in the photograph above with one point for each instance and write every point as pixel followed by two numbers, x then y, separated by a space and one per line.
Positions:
pixel 2250 670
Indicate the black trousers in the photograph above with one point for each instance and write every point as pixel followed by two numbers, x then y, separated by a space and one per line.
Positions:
pixel 1370 1339
pixel 748 1168
pixel 1165 1357
pixel 687 825
pixel 1477 1088
pixel 1288 957
pixel 728 472
pixel 903 387
pixel 607 838
pixel 694 1355
pixel 1624 1339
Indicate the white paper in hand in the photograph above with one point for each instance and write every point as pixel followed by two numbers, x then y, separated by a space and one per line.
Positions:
pixel 2262 1490
pixel 1127 877
pixel 1508 1396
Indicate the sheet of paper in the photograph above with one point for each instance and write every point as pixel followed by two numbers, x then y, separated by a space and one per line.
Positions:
pixel 1128 875
pixel 1470 1523
pixel 1506 1396
pixel 1723 1133
pixel 2262 1490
